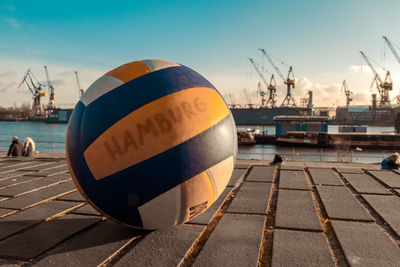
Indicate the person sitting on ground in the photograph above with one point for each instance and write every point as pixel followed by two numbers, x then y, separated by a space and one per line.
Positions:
pixel 29 147
pixel 16 148
pixel 391 162
pixel 277 160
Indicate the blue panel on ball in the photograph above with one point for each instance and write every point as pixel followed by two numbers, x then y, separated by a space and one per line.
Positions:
pixel 148 179
pixel 109 204
pixel 119 102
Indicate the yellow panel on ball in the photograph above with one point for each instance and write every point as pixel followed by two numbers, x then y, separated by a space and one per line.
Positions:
pixel 151 144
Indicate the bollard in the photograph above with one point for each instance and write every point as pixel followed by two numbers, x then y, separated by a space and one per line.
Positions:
pixel 54 148
pixel 320 154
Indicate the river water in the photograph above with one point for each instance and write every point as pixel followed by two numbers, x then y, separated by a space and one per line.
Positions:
pixel 51 138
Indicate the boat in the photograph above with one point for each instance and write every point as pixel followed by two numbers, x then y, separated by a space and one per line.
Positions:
pixel 360 140
pixel 246 138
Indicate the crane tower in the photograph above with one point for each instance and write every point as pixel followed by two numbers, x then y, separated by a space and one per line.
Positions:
pixel 383 86
pixel 289 81
pixel 52 95
pixel 271 102
pixel 347 93
pixel 35 87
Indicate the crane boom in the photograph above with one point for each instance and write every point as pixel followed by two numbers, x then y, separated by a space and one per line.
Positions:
pixel 371 67
pixel 79 84
pixel 273 65
pixel 258 71
pixel 392 48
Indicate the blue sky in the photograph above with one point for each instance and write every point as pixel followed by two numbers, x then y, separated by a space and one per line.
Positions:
pixel 321 39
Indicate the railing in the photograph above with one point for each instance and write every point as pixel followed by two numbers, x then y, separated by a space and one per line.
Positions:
pixel 41 146
pixel 322 154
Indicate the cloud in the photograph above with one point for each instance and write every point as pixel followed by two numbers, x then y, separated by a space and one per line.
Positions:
pixel 13 22
pixel 62 77
pixel 360 69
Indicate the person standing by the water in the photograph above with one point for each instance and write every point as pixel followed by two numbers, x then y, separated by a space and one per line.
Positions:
pixel 29 147
pixel 16 148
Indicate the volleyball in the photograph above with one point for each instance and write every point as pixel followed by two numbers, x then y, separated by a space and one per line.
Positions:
pixel 151 144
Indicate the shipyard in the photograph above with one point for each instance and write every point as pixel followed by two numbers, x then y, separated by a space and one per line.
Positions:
pixel 200 133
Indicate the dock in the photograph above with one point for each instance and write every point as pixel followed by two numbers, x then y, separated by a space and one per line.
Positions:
pixel 300 214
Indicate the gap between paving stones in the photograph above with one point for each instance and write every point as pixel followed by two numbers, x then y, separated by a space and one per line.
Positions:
pixel 333 242
pixel 31 180
pixel 378 219
pixel 49 199
pixel 380 181
pixel 122 251
pixel 199 243
pixel 69 237
pixel 265 257
pixel 40 188
pixel 60 214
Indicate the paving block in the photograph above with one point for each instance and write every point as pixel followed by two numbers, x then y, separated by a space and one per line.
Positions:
pixel 293 180
pixel 236 174
pixel 86 210
pixel 340 203
pixel 390 178
pixel 11 174
pixel 235 241
pixel 388 207
pixel 206 217
pixel 4 212
pixel 296 210
pixel 295 248
pixel 242 166
pixel 31 185
pixel 349 170
pixel 34 241
pixel 50 171
pixel 75 196
pixel 45 166
pixel 40 195
pixel 162 248
pixel 17 165
pixel 291 168
pixel 252 197
pixel 29 217
pixel 366 244
pixel 324 177
pixel 364 183
pixel 15 180
pixel 99 242
pixel 261 174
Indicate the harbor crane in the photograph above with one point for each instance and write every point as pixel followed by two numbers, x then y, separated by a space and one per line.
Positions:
pixel 383 86
pixel 397 98
pixel 80 90
pixel 271 102
pixel 248 98
pixel 289 81
pixel 272 92
pixel 262 94
pixel 36 88
pixel 232 104
pixel 52 95
pixel 347 93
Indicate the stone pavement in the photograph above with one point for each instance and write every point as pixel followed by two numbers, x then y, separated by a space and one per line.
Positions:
pixel 303 214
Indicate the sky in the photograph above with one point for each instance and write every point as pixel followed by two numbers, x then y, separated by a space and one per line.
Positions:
pixel 320 39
